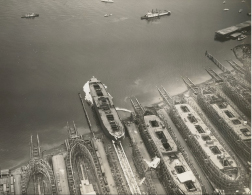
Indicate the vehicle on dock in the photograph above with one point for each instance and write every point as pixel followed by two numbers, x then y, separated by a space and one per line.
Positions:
pixel 30 15
pixel 155 14
pixel 105 109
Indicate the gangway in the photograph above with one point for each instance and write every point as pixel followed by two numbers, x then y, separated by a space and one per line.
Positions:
pixel 128 173
pixel 164 94
pixel 216 62
pixel 137 106
pixel 214 75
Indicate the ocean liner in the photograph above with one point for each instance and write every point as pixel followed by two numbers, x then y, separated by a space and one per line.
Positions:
pixel 105 109
pixel 222 168
pixel 232 127
pixel 173 159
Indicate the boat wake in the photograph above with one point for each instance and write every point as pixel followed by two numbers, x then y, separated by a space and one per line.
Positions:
pixel 88 97
pixel 123 109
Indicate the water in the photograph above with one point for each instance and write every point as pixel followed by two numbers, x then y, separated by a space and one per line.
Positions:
pixel 44 62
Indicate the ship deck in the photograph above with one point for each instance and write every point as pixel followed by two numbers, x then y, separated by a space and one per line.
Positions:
pixel 217 154
pixel 105 106
pixel 174 160
pixel 240 127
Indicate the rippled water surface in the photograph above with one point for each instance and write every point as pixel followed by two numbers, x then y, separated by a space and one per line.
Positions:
pixel 44 62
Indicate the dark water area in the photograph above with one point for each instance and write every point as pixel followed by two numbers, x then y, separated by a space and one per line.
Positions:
pixel 44 62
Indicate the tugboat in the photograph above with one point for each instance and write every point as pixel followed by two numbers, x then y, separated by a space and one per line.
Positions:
pixel 155 14
pixel 30 15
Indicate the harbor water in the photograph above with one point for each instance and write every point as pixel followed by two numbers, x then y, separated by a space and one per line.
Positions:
pixel 45 61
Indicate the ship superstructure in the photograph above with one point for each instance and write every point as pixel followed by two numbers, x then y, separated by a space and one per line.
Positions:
pixel 221 168
pixel 174 161
pixel 105 109
pixel 235 130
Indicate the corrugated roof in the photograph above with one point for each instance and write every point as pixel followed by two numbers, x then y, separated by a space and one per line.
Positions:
pixel 228 30
pixel 234 28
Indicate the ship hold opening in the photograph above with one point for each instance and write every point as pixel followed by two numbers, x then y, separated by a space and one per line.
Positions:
pixel 206 138
pixel 215 150
pixel 190 186
pixel 110 117
pixel 180 169
pixel 160 134
pixel 167 146
pixel 192 118
pixel 184 109
pixel 199 129
pixel 245 132
pixel 154 123
pixel 229 114
pixel 221 105
pixel 104 104
pixel 162 137
pixel 236 122
pixel 226 163
pixel 98 90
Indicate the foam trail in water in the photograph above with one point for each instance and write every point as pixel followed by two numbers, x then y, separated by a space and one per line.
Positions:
pixel 88 97
pixel 122 109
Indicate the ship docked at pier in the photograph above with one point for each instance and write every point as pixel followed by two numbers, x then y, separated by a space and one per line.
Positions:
pixel 105 110
pixel 174 161
pixel 222 168
pixel 234 129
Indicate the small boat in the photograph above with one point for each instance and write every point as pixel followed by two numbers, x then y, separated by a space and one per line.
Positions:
pixel 240 10
pixel 155 14
pixel 226 9
pixel 249 14
pixel 107 15
pixel 107 1
pixel 30 15
pixel 243 1
pixel 241 37
pixel 224 2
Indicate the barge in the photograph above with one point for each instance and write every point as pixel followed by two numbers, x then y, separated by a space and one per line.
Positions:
pixel 106 112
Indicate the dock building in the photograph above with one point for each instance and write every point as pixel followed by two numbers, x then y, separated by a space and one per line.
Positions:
pixel 230 124
pixel 226 32
pixel 217 163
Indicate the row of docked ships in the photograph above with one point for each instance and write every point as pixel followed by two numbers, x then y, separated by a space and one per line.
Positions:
pixel 219 165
